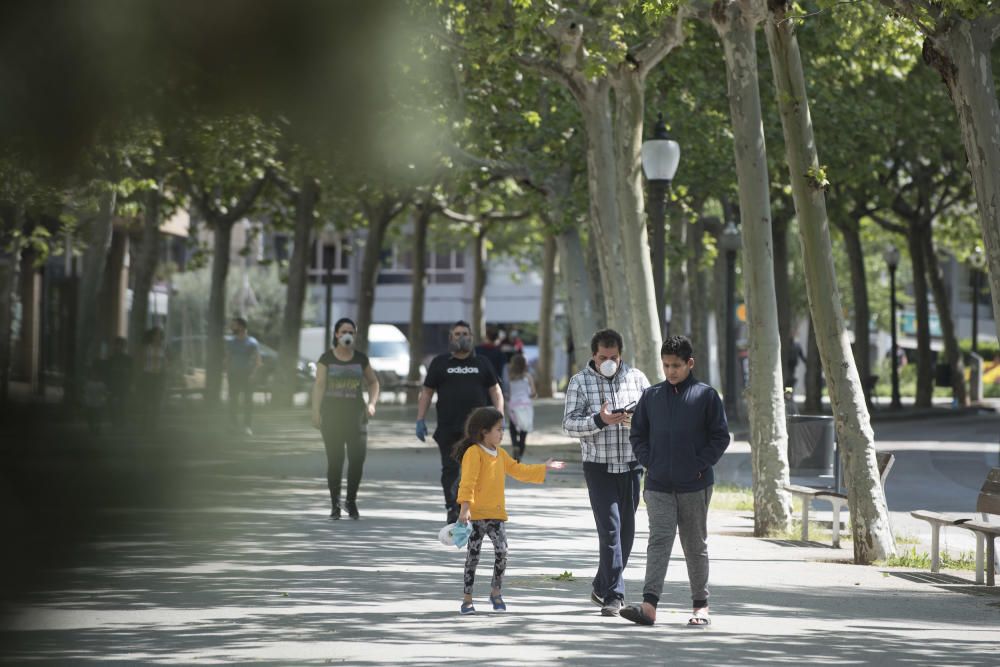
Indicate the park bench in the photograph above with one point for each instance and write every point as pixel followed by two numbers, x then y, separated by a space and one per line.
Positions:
pixel 987 503
pixel 837 500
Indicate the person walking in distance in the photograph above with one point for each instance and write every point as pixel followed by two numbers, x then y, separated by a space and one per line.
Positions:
pixel 599 401
pixel 463 382
pixel 679 431
pixel 242 361
pixel 340 413
pixel 521 390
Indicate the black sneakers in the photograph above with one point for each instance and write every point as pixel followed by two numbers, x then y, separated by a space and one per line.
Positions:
pixel 335 513
pixel 352 509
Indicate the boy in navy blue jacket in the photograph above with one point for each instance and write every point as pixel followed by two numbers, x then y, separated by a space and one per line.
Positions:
pixel 679 431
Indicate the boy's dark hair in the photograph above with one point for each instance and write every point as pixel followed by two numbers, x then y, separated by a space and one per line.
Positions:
pixel 606 338
pixel 480 421
pixel 460 323
pixel 341 322
pixel 679 346
pixel 241 322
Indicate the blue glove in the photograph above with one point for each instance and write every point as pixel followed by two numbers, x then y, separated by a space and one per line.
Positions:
pixel 421 430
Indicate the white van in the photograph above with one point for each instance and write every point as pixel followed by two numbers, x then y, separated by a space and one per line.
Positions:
pixel 388 351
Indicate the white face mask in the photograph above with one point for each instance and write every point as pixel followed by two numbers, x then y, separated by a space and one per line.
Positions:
pixel 346 339
pixel 609 367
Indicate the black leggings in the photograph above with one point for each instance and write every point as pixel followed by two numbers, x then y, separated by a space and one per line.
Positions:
pixel 519 442
pixel 350 434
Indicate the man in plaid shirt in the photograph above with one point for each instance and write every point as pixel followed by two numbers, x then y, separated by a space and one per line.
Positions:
pixel 599 404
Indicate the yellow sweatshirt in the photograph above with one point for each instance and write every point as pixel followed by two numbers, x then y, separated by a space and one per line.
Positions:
pixel 483 478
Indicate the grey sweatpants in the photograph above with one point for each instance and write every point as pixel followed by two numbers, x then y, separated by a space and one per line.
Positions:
pixel 669 512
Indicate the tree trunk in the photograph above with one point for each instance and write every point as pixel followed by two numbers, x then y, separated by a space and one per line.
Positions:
pixel 940 292
pixel 379 219
pixel 145 257
pixel 765 395
pixel 216 324
pixel 873 539
pixel 543 380
pixel 94 259
pixel 295 293
pixel 814 374
pixel 961 53
pixel 862 314
pixel 419 286
pixel 925 357
pixel 9 262
pixel 606 233
pixel 699 292
pixel 479 284
pixel 630 100
pixel 578 285
pixel 110 306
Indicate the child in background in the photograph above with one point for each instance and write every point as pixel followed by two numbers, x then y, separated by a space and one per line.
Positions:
pixel 522 413
pixel 485 467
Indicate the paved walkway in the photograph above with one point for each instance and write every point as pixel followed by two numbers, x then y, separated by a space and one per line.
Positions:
pixel 212 549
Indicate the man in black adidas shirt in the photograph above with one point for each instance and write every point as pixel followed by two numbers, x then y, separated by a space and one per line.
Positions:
pixel 463 382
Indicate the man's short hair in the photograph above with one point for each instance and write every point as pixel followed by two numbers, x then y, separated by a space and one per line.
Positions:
pixel 240 321
pixel 460 323
pixel 606 338
pixel 679 346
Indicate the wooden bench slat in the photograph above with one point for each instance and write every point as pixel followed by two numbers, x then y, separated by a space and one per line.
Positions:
pixel 802 490
pixel 938 518
pixel 982 527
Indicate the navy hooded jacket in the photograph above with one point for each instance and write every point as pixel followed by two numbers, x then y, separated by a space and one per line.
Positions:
pixel 678 433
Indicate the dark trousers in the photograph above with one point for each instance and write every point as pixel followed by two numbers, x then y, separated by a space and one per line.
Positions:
pixel 240 390
pixel 614 498
pixel 338 436
pixel 451 469
pixel 519 442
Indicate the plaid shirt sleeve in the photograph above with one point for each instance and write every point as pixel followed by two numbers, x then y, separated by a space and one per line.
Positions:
pixel 578 416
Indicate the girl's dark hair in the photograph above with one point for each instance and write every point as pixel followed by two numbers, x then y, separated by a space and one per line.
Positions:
pixel 518 366
pixel 480 421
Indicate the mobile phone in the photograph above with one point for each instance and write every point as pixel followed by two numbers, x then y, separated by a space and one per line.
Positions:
pixel 630 408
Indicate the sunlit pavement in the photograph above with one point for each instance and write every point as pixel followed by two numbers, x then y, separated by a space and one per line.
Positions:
pixel 229 556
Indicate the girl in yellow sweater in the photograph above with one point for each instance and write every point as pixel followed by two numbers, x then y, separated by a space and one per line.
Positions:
pixel 485 467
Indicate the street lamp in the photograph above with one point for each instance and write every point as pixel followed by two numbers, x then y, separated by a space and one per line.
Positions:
pixel 892 261
pixel 730 242
pixel 660 157
pixel 977 261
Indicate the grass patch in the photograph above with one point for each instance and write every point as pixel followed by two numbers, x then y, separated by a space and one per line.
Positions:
pixel 565 576
pixel 922 560
pixel 732 497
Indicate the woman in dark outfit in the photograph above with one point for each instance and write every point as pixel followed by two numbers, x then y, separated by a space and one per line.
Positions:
pixel 340 413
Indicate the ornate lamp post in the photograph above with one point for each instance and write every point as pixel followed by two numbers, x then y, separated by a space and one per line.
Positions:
pixel 892 261
pixel 730 242
pixel 660 157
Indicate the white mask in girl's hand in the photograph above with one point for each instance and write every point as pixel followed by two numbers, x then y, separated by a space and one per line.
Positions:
pixel 609 367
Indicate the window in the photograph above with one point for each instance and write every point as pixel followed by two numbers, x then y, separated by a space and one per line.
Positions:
pixel 335 257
